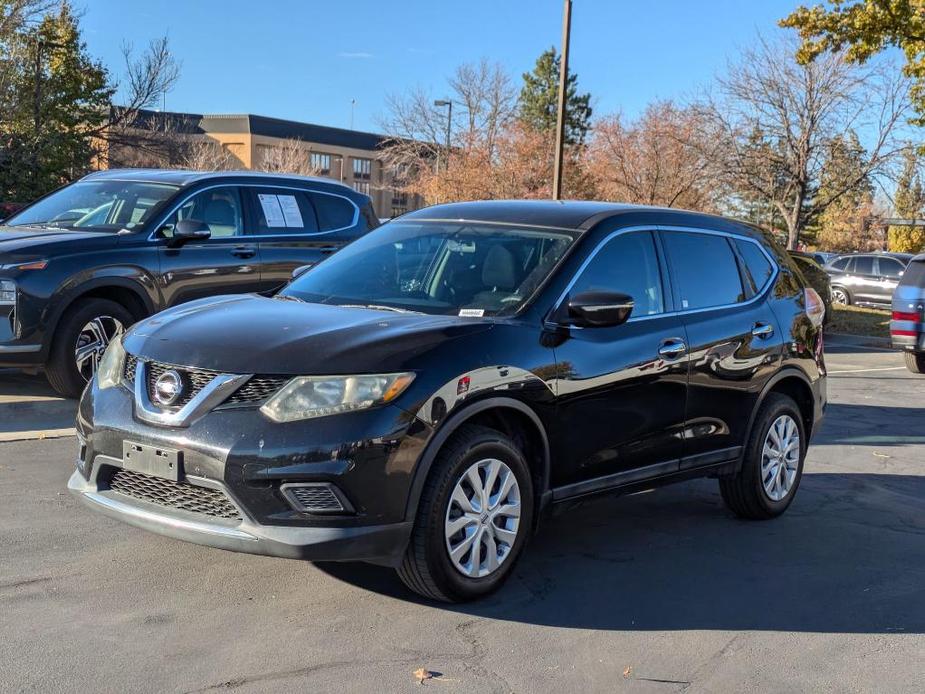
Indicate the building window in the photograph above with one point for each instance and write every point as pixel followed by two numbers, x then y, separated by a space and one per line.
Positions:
pixel 321 163
pixel 361 186
pixel 362 169
pixel 399 203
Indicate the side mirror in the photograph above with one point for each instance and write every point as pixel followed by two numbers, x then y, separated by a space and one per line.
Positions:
pixel 189 230
pixel 299 271
pixel 600 309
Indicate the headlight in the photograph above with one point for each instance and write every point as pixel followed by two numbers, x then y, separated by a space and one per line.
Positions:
pixel 317 396
pixel 109 372
pixel 7 292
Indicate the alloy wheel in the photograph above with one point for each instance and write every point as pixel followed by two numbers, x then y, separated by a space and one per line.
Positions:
pixel 92 341
pixel 482 518
pixel 780 457
pixel 840 297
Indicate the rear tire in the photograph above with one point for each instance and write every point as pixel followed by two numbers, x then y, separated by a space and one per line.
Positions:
pixel 915 362
pixel 428 568
pixel 767 483
pixel 61 370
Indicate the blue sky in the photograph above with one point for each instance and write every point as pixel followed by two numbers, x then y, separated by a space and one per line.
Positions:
pixel 307 59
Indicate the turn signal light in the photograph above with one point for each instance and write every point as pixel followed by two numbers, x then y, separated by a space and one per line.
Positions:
pixel 902 315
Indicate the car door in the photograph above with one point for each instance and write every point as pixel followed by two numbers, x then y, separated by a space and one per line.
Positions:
pixel 889 271
pixel 734 342
pixel 620 390
pixel 225 263
pixel 297 227
pixel 863 281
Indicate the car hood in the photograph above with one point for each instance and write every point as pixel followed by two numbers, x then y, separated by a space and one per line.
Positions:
pixel 15 241
pixel 254 334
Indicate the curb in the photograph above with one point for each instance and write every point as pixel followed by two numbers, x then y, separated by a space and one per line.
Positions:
pixel 11 436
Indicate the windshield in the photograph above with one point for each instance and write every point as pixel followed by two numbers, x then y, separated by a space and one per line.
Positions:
pixel 96 206
pixel 437 268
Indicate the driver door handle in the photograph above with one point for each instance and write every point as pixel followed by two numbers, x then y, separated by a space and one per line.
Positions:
pixel 763 330
pixel 244 252
pixel 672 348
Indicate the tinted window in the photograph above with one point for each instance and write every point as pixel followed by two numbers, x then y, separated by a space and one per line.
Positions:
pixel 914 274
pixel 863 265
pixel 842 263
pixel 890 267
pixel 333 212
pixel 705 270
pixel 628 264
pixel 219 208
pixel 283 211
pixel 756 262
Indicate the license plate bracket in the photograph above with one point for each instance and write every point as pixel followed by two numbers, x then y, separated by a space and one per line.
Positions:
pixel 157 461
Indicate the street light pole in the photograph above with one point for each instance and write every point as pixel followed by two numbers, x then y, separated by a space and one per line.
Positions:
pixel 449 128
pixel 560 114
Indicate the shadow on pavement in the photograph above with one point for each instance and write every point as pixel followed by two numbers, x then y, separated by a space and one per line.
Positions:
pixel 871 425
pixel 847 557
pixel 28 405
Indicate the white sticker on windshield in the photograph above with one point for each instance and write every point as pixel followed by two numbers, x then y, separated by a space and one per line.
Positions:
pixel 291 212
pixel 471 312
pixel 271 210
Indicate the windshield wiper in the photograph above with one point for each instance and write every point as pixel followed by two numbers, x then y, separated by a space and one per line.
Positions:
pixel 380 307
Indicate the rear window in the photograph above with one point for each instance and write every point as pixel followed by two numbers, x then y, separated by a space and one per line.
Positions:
pixel 705 269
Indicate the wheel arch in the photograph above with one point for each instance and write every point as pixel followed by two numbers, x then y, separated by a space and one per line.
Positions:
pixel 512 417
pixel 794 383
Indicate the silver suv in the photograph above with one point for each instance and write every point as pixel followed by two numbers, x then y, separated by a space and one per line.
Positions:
pixel 907 327
pixel 866 278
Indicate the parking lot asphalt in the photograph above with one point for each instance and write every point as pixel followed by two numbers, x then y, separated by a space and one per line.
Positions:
pixel 662 591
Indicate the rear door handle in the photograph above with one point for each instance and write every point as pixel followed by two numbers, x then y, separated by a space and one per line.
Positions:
pixel 672 348
pixel 327 250
pixel 244 252
pixel 763 330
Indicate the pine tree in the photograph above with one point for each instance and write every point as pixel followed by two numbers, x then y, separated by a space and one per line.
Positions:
pixel 908 203
pixel 539 100
pixel 841 223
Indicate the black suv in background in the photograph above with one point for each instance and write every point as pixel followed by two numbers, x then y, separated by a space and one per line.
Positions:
pixel 420 397
pixel 80 265
pixel 866 278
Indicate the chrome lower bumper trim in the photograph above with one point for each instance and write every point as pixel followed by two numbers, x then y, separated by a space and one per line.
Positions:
pixel 19 349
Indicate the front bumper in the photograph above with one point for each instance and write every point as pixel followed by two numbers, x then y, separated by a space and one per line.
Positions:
pixel 368 455
pixel 383 544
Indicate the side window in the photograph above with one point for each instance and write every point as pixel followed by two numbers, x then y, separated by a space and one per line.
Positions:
pixel 705 269
pixel 628 263
pixel 890 267
pixel 334 212
pixel 756 262
pixel 842 264
pixel 863 265
pixel 220 208
pixel 282 211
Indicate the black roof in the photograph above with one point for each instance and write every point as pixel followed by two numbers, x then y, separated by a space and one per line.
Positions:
pixel 571 214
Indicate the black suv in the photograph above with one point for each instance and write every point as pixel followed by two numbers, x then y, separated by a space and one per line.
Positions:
pixel 83 263
pixel 867 279
pixel 419 398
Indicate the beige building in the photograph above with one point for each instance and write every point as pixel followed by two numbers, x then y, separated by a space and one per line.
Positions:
pixel 350 156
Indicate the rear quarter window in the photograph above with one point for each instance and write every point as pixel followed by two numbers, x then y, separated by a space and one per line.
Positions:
pixel 757 264
pixel 334 212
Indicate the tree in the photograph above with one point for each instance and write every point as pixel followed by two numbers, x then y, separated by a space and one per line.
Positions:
pixel 862 28
pixel 841 226
pixel 908 203
pixel 795 111
pixel 539 100
pixel 663 158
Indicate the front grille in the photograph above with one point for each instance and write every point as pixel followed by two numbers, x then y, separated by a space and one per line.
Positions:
pixel 177 495
pixel 253 392
pixel 313 498
pixel 257 389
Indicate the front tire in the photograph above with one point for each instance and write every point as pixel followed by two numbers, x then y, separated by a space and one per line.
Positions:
pixel 473 519
pixel 772 465
pixel 915 362
pixel 841 296
pixel 80 340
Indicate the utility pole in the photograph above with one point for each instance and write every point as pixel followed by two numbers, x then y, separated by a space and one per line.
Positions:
pixel 440 103
pixel 353 103
pixel 560 115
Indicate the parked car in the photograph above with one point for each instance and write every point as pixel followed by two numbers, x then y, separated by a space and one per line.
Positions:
pixel 816 277
pixel 80 265
pixel 822 257
pixel 418 399
pixel 866 279
pixel 907 327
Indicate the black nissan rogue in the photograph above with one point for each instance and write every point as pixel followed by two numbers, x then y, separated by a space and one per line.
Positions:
pixel 83 263
pixel 419 398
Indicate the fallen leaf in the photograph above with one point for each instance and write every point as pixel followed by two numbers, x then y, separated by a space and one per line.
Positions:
pixel 627 672
pixel 422 674
pixel 881 455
